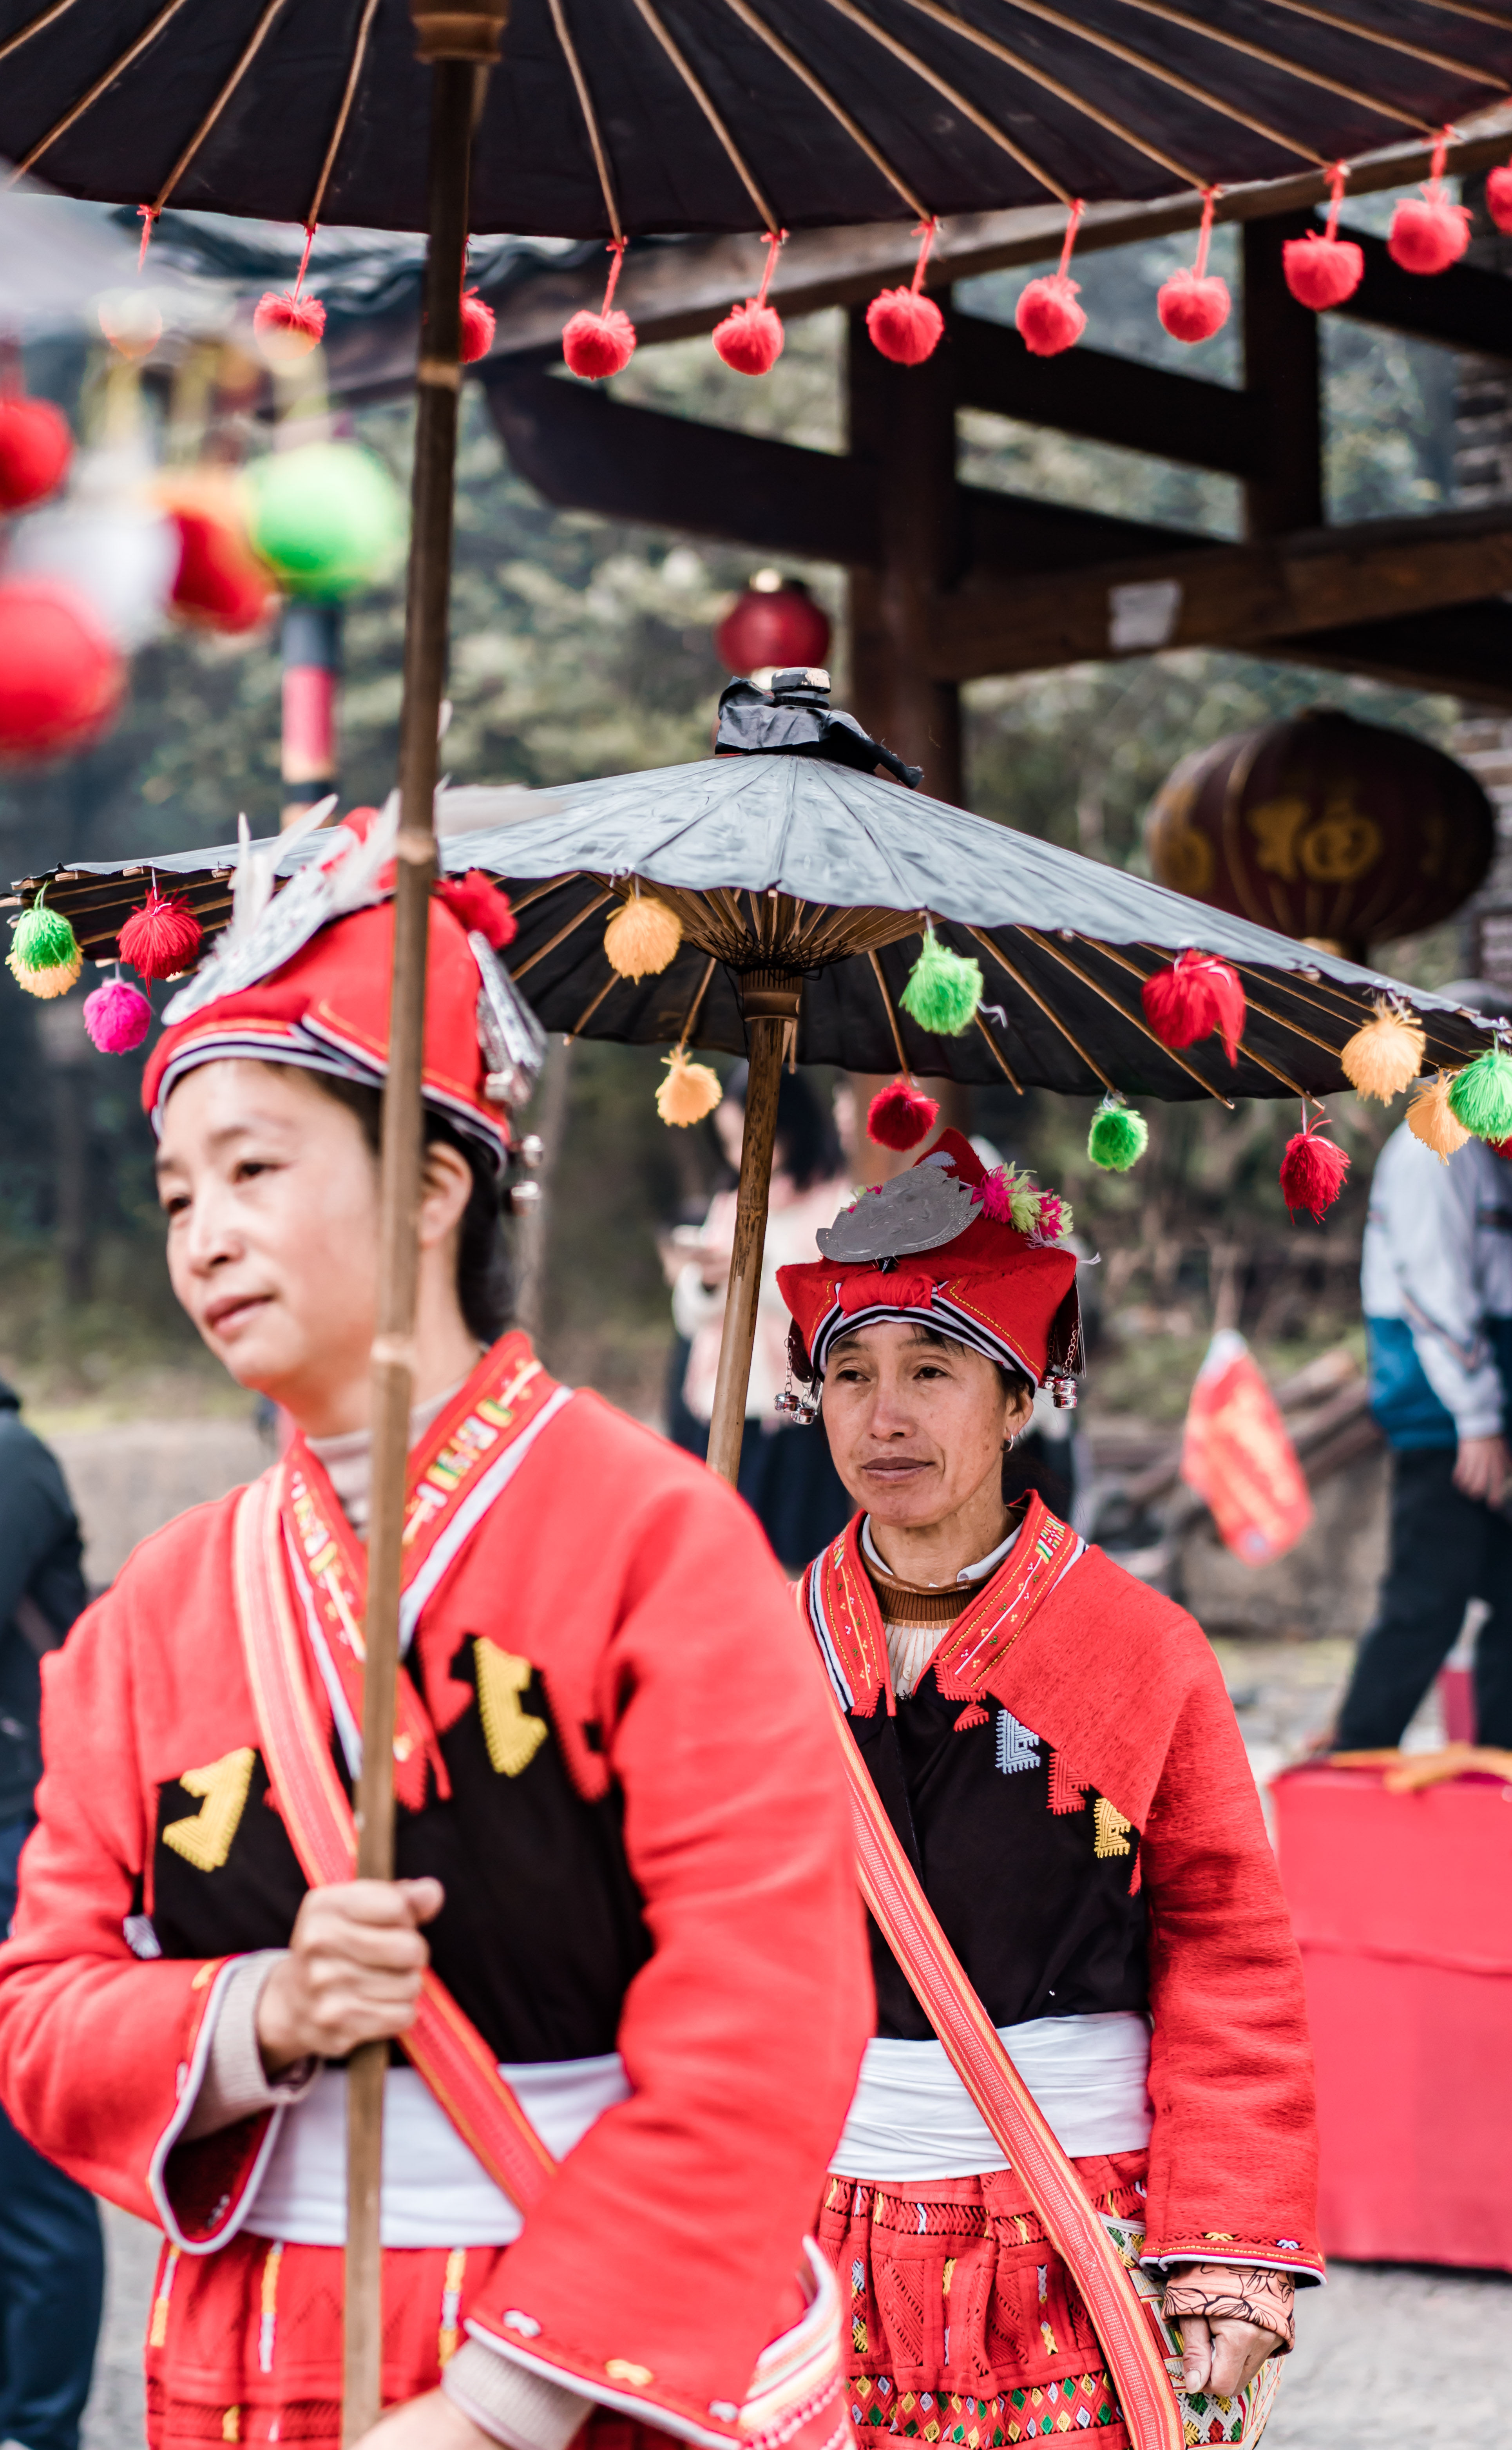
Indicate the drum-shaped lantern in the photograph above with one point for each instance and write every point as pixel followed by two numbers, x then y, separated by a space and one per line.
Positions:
pixel 773 627
pixel 1346 833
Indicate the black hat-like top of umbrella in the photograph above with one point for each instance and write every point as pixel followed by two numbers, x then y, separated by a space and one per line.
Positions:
pixel 636 116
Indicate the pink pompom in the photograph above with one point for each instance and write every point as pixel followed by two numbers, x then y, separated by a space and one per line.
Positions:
pixel 901 1116
pixel 1499 197
pixel 750 338
pixel 1048 316
pixel 117 1017
pixel 1197 994
pixel 1312 1172
pixel 478 328
pixel 1192 305
pixel 1427 232
pixel 483 910
pixel 161 938
pixel 904 326
pixel 1321 272
pixel 288 327
pixel 993 1198
pixel 596 345
pixel 1054 1217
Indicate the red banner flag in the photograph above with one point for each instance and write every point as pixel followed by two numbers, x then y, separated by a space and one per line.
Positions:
pixel 1237 1456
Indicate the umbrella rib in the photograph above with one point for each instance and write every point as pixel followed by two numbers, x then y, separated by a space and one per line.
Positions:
pixel 1351 1012
pixel 527 900
pixel 820 92
pixel 1389 42
pixel 691 1017
pixel 588 1010
pixel 562 934
pixel 349 96
pixel 1248 1051
pixel 707 107
pixel 1466 9
pixel 953 96
pixel 59 9
pixel 998 1055
pixel 1273 60
pixel 61 128
pixel 1035 997
pixel 585 104
pixel 1264 1009
pixel 259 33
pixel 875 960
pixel 1064 92
pixel 1134 1019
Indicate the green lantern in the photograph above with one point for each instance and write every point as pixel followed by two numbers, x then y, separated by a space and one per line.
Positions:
pixel 328 518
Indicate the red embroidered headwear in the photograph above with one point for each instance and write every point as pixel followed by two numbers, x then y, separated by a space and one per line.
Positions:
pixel 304 977
pixel 967 1253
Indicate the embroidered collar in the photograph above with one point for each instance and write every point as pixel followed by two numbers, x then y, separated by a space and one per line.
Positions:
pixel 873 1557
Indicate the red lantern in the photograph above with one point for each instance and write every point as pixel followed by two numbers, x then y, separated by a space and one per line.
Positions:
pixel 775 625
pixel 221 584
pixel 1342 832
pixel 61 679
pixel 35 448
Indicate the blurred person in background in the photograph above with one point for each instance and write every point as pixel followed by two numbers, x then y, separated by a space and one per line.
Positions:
pixel 51 2254
pixel 786 1476
pixel 1436 1288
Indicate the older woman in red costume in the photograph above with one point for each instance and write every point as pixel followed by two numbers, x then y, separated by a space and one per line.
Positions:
pixel 1090 2049
pixel 609 1965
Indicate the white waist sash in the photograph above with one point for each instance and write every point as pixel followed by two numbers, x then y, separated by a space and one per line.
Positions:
pixel 912 2117
pixel 436 2192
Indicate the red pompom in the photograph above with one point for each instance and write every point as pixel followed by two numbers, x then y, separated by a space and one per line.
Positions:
pixel 475 900
pixel 901 1116
pixel 60 678
pixel 1499 197
pixel 288 327
pixel 117 1017
pixel 1192 305
pixel 35 448
pixel 1195 996
pixel 1048 316
pixel 478 328
pixel 221 581
pixel 904 326
pixel 596 345
pixel 161 938
pixel 1312 1172
pixel 1428 233
pixel 1322 271
pixel 750 338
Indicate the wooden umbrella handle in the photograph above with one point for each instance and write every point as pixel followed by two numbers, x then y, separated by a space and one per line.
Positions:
pixel 770 1007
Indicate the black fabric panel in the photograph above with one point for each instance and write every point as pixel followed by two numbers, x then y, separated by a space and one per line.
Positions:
pixel 1042 1925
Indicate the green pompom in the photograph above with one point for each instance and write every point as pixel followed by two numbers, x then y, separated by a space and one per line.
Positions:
pixel 1481 1096
pixel 43 940
pixel 1119 1137
pixel 944 989
pixel 328 518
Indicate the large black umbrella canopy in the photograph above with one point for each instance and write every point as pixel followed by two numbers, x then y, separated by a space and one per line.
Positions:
pixel 707 115
pixel 814 871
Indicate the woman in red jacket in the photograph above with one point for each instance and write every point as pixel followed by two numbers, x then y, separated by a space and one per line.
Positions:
pixel 1044 1749
pixel 623 1957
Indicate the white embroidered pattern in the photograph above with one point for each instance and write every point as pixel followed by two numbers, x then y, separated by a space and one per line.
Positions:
pixel 1017 1748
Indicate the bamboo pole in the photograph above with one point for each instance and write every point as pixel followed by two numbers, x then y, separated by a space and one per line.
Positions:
pixel 459 47
pixel 769 1003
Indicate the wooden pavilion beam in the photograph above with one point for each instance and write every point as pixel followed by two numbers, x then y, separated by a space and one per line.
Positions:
pixel 1463 308
pixel 1108 399
pixel 1464 649
pixel 1282 387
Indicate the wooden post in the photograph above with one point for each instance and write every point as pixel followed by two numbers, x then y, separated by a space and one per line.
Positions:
pixel 1280 363
pixel 459 46
pixel 903 432
pixel 771 1003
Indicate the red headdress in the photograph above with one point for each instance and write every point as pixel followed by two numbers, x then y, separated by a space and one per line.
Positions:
pixel 304 979
pixel 967 1253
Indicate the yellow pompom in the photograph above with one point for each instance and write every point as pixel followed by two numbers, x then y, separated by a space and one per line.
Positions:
pixel 1384 1056
pixel 1431 1118
pixel 690 1092
pixel 49 982
pixel 642 937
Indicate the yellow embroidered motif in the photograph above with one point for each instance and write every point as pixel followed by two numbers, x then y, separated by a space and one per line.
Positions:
pixel 231 2424
pixel 159 2331
pixel 512 1736
pixel 620 2368
pixel 858 2338
pixel 1111 1829
pixel 951 2261
pixel 205 1838
pixel 267 2325
pixel 448 2335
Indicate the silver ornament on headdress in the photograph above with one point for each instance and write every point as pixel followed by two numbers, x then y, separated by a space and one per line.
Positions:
pixel 916 1210
pixel 267 931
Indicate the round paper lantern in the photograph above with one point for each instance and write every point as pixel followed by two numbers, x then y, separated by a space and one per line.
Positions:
pixel 1346 833
pixel 327 517
pixel 61 677
pixel 221 583
pixel 35 448
pixel 775 625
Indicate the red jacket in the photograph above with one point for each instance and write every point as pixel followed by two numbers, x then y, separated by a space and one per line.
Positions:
pixel 643 1594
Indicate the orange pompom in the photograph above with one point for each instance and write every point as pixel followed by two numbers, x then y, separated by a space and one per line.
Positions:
pixel 690 1092
pixel 1432 1120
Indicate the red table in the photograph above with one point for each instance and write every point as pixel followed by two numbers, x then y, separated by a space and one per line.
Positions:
pixel 1402 1905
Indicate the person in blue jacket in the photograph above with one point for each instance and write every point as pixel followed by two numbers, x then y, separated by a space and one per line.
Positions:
pixel 51 2253
pixel 1436 1286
